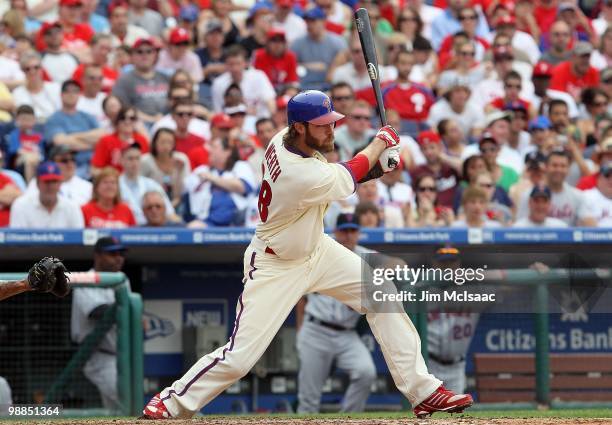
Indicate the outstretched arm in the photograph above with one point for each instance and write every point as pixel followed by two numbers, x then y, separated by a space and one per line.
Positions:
pixel 8 288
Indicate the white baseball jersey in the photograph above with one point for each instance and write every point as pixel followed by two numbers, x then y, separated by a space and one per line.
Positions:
pixel 449 334
pixel 294 196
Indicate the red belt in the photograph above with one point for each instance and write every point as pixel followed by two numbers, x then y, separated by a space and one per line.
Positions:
pixel 269 250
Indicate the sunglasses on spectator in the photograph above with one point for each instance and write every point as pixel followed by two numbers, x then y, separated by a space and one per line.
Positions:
pixel 153 206
pixel 607 174
pixel 184 114
pixel 132 118
pixel 94 77
pixel 486 185
pixel 560 34
pixel 490 149
pixel 408 19
pixel 342 98
pixel 177 98
pixel 470 53
pixel 600 104
pixel 31 68
pixel 427 189
pixel 182 44
pixel 513 86
pixel 360 117
pixel 468 17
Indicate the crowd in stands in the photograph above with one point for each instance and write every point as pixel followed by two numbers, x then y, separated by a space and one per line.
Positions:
pixel 120 113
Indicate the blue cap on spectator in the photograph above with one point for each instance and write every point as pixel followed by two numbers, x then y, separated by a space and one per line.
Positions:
pixel 314 13
pixel 258 7
pixel 540 123
pixel 48 171
pixel 535 159
pixel 189 13
pixel 540 192
pixel 606 168
pixel 346 221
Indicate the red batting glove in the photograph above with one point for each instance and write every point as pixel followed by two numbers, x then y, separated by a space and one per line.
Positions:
pixel 388 135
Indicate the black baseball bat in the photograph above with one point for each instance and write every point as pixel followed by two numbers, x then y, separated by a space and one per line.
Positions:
pixel 366 38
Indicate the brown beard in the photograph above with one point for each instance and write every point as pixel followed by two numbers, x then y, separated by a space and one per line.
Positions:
pixel 323 147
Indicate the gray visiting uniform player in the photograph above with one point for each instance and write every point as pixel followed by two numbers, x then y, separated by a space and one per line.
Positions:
pixel 449 335
pixel 101 367
pixel 327 335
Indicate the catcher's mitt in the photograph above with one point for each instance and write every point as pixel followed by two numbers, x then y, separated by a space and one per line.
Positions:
pixel 49 275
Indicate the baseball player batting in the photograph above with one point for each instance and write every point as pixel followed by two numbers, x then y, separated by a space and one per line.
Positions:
pixel 47 275
pixel 291 256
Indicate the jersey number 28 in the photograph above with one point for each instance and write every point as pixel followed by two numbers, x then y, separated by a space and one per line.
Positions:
pixel 265 197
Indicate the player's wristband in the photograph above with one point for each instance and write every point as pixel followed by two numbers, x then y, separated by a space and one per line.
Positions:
pixel 359 166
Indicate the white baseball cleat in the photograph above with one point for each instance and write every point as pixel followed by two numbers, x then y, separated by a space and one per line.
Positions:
pixel 155 409
pixel 443 400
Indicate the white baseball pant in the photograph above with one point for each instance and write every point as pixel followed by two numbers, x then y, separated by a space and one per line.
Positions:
pixel 272 287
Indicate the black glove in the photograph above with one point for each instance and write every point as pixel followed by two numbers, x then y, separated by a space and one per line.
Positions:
pixel 49 275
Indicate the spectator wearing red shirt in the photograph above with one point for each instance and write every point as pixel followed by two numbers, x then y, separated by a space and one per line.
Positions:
pixel 545 14
pixel 411 100
pixel 106 210
pixel 182 114
pixel 8 193
pixel 446 177
pixel 468 18
pixel 77 34
pixel 101 47
pixel 109 147
pixel 575 74
pixel 279 63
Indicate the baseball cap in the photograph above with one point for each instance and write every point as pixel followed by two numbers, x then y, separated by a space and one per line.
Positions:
pixel 540 192
pixel 70 83
pixel 213 25
pixel 446 253
pixel 46 26
pixel 71 3
pixel 428 136
pixel 582 48
pixel 260 7
pixel 535 159
pixel 346 221
pixel 314 13
pixel 221 120
pixel 282 102
pixel 496 116
pixel 564 7
pixel 145 40
pixel 275 33
pixel 606 75
pixel 189 13
pixel 603 148
pixel 284 3
pixel 109 244
pixel 115 4
pixel 542 69
pixel 505 20
pixel 487 137
pixel 540 123
pixel 179 35
pixel 48 171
